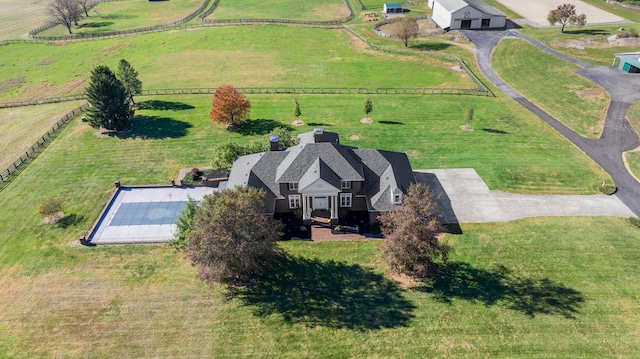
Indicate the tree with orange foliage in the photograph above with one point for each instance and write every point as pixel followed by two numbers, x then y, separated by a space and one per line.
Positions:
pixel 229 106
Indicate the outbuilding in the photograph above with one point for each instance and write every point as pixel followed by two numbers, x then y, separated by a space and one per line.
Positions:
pixel 629 62
pixel 392 8
pixel 466 14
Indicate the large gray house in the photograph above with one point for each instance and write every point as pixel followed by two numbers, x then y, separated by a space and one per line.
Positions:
pixel 324 178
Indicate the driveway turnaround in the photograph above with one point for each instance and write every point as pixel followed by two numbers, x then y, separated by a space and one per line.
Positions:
pixel 617 137
pixel 536 11
pixel 463 197
pixel 144 214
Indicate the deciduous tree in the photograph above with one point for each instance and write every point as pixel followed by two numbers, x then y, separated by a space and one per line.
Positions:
pixel 110 106
pixel 468 115
pixel 232 238
pixel 65 12
pixel 296 109
pixel 368 107
pixel 411 245
pixel 406 29
pixel 564 15
pixel 229 106
pixel 129 78
pixel 85 5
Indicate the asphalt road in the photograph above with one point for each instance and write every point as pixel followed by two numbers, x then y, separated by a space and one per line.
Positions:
pixel 618 136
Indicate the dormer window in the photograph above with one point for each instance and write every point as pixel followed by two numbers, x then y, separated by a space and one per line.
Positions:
pixel 293 186
pixel 345 184
pixel 397 199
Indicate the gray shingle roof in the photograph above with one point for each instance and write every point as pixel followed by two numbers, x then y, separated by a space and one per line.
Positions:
pixel 455 5
pixel 383 173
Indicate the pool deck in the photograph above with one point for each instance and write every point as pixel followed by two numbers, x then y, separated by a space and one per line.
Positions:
pixel 144 215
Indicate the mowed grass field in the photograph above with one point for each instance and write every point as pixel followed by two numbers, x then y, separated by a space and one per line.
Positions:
pixel 550 83
pixel 21 127
pixel 260 56
pixel 126 15
pixel 543 288
pixel 319 10
pixel 18 17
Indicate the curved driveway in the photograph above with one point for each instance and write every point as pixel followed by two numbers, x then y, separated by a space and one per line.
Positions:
pixel 618 136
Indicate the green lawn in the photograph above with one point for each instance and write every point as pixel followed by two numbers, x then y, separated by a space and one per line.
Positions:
pixel 243 56
pixel 588 44
pixel 318 10
pixel 126 15
pixel 575 101
pixel 21 127
pixel 633 158
pixel 575 295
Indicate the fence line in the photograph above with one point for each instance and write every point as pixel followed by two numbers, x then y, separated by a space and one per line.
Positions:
pixel 42 142
pixel 427 32
pixel 630 6
pixel 481 87
pixel 271 91
pixel 329 23
pixel 162 27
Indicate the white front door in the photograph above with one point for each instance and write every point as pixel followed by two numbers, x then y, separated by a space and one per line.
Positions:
pixel 320 203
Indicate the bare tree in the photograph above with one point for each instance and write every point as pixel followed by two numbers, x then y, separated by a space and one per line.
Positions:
pixel 406 29
pixel 65 12
pixel 85 5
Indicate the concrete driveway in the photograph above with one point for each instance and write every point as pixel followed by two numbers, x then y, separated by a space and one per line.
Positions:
pixel 463 197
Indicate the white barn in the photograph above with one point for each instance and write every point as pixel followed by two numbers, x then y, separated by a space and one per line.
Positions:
pixel 466 14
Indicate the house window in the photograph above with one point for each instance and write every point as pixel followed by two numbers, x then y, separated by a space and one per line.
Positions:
pixel 345 184
pixel 293 186
pixel 397 198
pixel 294 201
pixel 345 199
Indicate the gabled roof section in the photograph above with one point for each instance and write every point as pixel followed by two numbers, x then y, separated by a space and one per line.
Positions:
pixel 386 173
pixel 338 158
pixel 258 170
pixel 455 5
pixel 319 170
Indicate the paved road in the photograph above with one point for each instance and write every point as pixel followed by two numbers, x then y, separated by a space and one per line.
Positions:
pixel 617 137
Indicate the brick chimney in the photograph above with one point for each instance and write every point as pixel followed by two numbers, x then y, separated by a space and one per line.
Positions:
pixel 273 141
pixel 318 135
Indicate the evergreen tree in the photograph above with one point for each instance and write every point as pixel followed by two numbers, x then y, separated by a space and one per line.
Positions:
pixel 109 102
pixel 129 78
pixel 368 106
pixel 296 110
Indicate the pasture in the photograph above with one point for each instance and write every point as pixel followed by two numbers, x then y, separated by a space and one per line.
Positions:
pixel 320 10
pixel 533 73
pixel 126 15
pixel 544 287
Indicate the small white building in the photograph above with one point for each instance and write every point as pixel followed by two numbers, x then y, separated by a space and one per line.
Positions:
pixel 392 8
pixel 466 14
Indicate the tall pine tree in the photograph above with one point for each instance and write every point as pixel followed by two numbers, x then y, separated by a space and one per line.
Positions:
pixel 129 78
pixel 110 107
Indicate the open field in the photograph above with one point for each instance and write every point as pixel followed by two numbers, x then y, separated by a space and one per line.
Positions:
pixel 18 17
pixel 208 58
pixel 533 73
pixel 319 10
pixel 537 11
pixel 630 14
pixel 21 127
pixel 573 296
pixel 588 44
pixel 544 287
pixel 125 15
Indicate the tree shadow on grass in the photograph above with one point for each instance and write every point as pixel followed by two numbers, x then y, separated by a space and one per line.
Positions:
pixel 587 32
pixel 500 286
pixel 329 294
pixel 163 105
pixel 318 124
pixel 259 126
pixel 96 24
pixel 70 220
pixel 431 46
pixel 497 132
pixel 157 128
pixel 385 122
